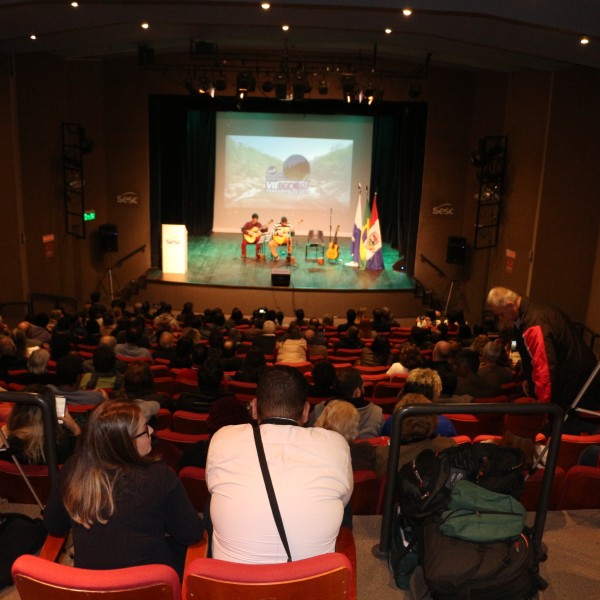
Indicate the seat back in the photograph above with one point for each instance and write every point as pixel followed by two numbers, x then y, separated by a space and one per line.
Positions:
pixel 466 425
pixel 14 488
pixel 581 489
pixel 36 578
pixel 365 493
pixel 571 447
pixel 185 421
pixel 324 577
pixel 194 481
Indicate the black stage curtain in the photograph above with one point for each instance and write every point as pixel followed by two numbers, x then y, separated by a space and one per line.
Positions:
pixel 182 164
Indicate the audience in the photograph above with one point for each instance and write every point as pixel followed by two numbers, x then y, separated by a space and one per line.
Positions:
pixel 123 507
pixel 310 468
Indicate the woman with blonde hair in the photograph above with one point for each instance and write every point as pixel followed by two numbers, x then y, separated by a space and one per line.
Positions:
pixel 24 430
pixel 124 507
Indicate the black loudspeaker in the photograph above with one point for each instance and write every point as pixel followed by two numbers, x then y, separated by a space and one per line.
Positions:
pixel 457 250
pixel 109 238
pixel 280 276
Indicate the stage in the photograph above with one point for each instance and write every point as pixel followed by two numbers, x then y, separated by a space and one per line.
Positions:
pixel 219 277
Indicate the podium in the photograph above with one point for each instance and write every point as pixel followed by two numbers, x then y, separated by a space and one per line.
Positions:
pixel 174 249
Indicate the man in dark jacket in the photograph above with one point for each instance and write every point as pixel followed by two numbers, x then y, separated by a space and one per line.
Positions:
pixel 555 359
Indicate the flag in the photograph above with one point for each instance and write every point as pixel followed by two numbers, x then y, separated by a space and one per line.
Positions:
pixel 373 244
pixel 364 231
pixel 356 229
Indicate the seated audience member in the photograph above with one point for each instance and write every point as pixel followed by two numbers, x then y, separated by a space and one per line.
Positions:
pixel 225 411
pixel 418 434
pixel 24 430
pixel 428 383
pixel 299 321
pixel 365 329
pixel 376 355
pixel 35 329
pixel 590 457
pixel 92 333
pixel 350 341
pixel 491 369
pixel 69 370
pixel 123 507
pixel 211 387
pixel 37 369
pixel 479 343
pixel 166 346
pixel 198 354
pixel 105 374
pixel 349 387
pixel 469 383
pixel 110 342
pixel 293 349
pixel 138 387
pixel 409 357
pixel 187 314
pixel 310 468
pixel 380 324
pixel 131 348
pixel 182 356
pixel 323 376
pixel 350 321
pixel 60 343
pixel 342 417
pixel 266 339
pixel 23 349
pixel 520 432
pixel 315 345
pixel 253 363
pixel 230 360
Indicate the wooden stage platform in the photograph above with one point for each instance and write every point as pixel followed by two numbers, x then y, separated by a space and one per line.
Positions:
pixel 217 276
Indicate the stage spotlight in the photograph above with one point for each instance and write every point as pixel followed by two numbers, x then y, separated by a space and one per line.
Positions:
pixel 300 87
pixel 220 84
pixel 267 86
pixel 348 88
pixel 280 86
pixel 245 83
pixel 369 94
pixel 323 87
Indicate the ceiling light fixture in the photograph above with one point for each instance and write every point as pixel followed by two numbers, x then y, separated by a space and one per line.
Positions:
pixel 145 25
pixel 74 4
pixel 388 30
pixel 265 5
pixel 33 36
pixel 407 12
pixel 285 27
pixel 584 40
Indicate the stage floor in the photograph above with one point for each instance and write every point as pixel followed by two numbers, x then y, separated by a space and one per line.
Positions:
pixel 215 261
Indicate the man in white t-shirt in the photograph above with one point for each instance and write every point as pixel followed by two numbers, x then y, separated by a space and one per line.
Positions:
pixel 310 468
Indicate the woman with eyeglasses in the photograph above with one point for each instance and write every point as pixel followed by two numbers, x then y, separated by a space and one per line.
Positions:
pixel 124 507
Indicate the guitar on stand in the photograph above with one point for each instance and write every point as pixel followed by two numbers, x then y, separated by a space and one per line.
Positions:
pixel 334 250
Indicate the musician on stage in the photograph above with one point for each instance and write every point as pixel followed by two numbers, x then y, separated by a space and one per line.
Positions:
pixel 251 233
pixel 281 234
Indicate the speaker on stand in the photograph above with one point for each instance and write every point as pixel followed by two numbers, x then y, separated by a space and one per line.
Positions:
pixel 109 242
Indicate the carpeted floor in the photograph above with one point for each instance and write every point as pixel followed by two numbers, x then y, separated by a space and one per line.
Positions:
pixel 572 569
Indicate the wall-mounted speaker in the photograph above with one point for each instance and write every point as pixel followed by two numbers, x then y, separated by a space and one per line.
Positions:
pixel 457 250
pixel 280 276
pixel 109 238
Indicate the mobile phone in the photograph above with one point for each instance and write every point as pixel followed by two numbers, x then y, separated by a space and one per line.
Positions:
pixel 513 346
pixel 61 403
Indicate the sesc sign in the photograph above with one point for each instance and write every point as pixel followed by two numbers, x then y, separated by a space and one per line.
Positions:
pixel 447 209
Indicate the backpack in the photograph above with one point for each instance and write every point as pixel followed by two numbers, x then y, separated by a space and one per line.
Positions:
pixel 19 534
pixel 455 569
pixel 403 556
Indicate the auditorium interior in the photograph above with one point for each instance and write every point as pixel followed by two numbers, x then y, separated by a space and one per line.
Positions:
pixel 487 79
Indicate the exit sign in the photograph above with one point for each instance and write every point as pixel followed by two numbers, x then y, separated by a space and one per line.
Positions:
pixel 89 215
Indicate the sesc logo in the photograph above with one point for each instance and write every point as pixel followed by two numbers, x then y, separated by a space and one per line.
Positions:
pixel 446 210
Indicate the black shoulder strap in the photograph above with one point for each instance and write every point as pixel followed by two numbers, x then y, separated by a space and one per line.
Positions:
pixel 262 459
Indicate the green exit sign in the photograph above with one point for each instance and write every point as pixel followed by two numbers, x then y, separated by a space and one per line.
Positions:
pixel 89 215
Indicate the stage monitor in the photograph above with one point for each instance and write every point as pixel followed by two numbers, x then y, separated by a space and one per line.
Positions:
pixel 302 166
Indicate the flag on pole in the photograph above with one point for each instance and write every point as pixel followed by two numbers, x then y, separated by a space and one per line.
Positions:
pixel 364 233
pixel 356 230
pixel 373 243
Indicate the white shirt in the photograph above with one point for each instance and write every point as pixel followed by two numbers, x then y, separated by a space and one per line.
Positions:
pixel 311 472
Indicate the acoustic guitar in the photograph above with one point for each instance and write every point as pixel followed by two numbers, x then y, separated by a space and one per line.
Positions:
pixel 282 234
pixel 253 234
pixel 334 250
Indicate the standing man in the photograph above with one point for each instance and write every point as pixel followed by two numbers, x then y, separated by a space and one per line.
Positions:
pixel 282 234
pixel 251 233
pixel 555 360
pixel 310 469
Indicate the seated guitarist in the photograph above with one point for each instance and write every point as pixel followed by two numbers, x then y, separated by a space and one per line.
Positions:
pixel 251 233
pixel 282 234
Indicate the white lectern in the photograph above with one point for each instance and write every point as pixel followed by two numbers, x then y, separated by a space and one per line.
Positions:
pixel 174 249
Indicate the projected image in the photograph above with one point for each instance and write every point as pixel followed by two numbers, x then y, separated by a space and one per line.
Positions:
pixel 266 171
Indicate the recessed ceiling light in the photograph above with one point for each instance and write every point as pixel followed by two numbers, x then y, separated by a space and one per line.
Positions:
pixel 145 25
pixel 407 12
pixel 584 40
pixel 285 27
pixel 265 5
pixel 33 36
pixel 388 30
pixel 74 4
